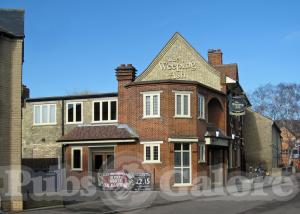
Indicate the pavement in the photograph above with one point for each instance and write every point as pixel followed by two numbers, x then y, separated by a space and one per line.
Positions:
pixel 271 197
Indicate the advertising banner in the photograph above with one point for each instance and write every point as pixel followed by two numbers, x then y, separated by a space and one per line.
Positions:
pixel 123 180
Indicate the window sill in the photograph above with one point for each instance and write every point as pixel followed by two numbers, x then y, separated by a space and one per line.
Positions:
pixel 201 162
pixel 76 170
pixel 151 162
pixel 105 122
pixel 182 117
pixel 200 118
pixel 151 117
pixel 73 123
pixel 45 124
pixel 183 185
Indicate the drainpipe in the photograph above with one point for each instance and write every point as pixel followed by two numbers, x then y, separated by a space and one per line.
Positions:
pixel 63 117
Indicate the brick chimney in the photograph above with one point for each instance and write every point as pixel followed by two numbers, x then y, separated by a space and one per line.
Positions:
pixel 215 57
pixel 125 74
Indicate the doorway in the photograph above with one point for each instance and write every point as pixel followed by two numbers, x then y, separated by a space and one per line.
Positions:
pixel 216 162
pixel 102 162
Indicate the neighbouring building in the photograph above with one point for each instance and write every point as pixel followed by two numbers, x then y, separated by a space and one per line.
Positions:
pixel 11 60
pixel 290 134
pixel 262 141
pixel 176 116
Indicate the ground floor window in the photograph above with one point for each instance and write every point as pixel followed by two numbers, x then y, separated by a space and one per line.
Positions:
pixel 76 158
pixel 152 151
pixel 182 163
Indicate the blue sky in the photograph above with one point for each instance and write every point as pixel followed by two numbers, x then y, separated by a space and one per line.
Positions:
pixel 74 45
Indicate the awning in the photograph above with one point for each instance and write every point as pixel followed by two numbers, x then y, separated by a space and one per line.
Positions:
pixel 216 141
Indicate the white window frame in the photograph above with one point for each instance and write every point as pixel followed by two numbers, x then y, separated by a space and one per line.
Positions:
pixel 201 115
pixel 74 113
pixel 152 144
pixel 202 158
pixel 182 94
pixel 109 111
pixel 184 167
pixel 41 114
pixel 72 159
pixel 151 94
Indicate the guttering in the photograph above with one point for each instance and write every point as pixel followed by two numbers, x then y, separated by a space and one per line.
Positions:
pixel 168 81
pixel 99 141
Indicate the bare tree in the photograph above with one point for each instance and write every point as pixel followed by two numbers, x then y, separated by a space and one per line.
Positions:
pixel 279 102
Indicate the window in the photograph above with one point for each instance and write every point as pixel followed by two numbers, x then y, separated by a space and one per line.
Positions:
pixel 44 114
pixel 105 111
pixel 182 163
pixel 76 158
pixel 152 151
pixel 201 107
pixel 74 112
pixel 151 104
pixel 202 153
pixel 182 104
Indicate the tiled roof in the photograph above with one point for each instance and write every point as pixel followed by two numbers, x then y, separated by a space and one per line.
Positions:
pixel 12 22
pixel 292 125
pixel 230 70
pixel 99 132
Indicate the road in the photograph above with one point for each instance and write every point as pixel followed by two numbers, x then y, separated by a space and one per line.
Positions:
pixel 267 200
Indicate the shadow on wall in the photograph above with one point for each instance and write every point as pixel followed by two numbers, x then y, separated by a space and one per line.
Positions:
pixel 216 113
pixel 256 141
pixel 6 126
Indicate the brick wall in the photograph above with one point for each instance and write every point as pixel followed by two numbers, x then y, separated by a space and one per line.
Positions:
pixel 160 129
pixel 10 114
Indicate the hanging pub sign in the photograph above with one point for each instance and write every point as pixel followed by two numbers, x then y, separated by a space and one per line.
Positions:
pixel 237 106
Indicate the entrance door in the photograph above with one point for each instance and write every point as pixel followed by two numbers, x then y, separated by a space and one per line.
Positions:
pixel 102 162
pixel 216 167
pixel 182 163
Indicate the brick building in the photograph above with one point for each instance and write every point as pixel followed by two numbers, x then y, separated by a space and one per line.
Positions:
pixel 290 134
pixel 11 60
pixel 173 117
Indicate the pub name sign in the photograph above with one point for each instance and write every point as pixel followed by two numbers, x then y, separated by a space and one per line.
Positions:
pixel 177 68
pixel 237 106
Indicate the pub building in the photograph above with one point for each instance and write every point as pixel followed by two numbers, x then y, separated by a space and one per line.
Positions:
pixel 182 114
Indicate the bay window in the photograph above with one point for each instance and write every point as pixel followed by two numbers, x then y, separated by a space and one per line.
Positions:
pixel 151 104
pixel 182 104
pixel 152 151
